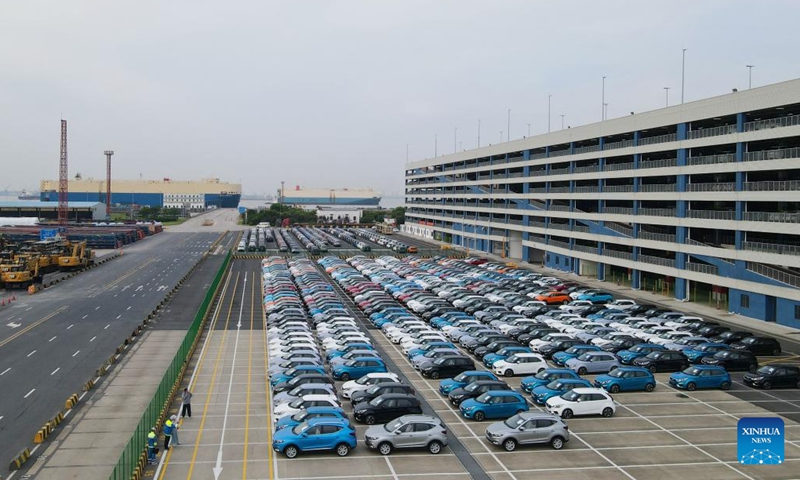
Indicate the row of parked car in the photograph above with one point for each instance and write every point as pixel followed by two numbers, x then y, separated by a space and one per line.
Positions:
pixel 314 341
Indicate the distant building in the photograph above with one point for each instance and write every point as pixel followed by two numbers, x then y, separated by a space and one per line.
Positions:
pixel 192 195
pixel 77 211
pixel 330 196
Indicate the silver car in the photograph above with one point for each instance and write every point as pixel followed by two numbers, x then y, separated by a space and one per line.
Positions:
pixel 408 431
pixel 528 427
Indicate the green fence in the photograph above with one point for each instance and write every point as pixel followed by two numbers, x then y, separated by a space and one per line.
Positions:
pixel 131 458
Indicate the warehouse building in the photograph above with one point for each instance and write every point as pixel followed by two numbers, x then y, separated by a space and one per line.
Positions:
pixel 77 211
pixel 701 201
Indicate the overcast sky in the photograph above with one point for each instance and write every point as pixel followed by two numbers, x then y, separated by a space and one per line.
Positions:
pixel 328 93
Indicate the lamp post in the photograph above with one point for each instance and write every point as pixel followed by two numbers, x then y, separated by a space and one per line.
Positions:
pixel 508 130
pixel 455 140
pixel 666 89
pixel 683 73
pixel 603 111
pixel 479 133
pixel 549 96
pixel 529 129
pixel 562 121
pixel 749 76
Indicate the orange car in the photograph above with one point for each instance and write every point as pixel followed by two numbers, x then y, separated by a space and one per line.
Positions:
pixel 551 298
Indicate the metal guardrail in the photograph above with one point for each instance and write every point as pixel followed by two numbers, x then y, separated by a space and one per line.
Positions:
pixel 657 212
pixel 711 132
pixel 153 415
pixel 619 228
pixel 711 159
pixel 702 268
pixel 712 187
pixel 590 148
pixel 659 237
pixel 772 123
pixel 666 262
pixel 773 186
pixel 670 137
pixel 712 214
pixel 776 154
pixel 775 217
pixel 771 248
pixel 620 144
pixel 658 187
pixel 617 188
pixel 611 167
pixel 667 162
pixel 775 274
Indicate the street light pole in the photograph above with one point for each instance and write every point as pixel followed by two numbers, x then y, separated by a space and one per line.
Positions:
pixel 683 74
pixel 435 145
pixel 508 130
pixel 749 76
pixel 529 129
pixel 455 140
pixel 562 121
pixel 548 112
pixel 603 111
pixel 479 133
pixel 666 89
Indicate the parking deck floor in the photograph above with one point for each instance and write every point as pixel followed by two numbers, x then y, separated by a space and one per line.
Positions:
pixel 663 435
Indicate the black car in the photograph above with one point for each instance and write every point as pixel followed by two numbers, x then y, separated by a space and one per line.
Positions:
pixel 301 380
pixel 534 334
pixel 381 389
pixel 635 310
pixel 515 333
pixel 386 408
pixel 733 360
pixel 475 389
pixel 710 330
pixel 758 345
pixel 621 344
pixel 447 367
pixel 731 336
pixel 773 376
pixel 495 346
pixel 483 340
pixel 549 349
pixel 663 361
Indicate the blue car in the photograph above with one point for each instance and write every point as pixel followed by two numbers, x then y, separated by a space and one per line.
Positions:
pixel 696 354
pixel 557 387
pixel 575 351
pixel 596 297
pixel 291 421
pixel 701 376
pixel 358 367
pixel 626 379
pixel 546 376
pixel 427 348
pixel 490 358
pixel 494 404
pixel 463 379
pixel 316 434
pixel 293 372
pixel 626 357
pixel 349 348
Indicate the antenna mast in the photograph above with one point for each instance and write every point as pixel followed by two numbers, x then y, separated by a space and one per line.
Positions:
pixel 63 180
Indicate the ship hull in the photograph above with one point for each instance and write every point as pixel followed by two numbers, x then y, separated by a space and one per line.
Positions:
pixel 371 201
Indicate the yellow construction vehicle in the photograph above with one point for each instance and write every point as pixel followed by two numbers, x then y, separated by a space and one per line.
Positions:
pixel 20 274
pixel 75 256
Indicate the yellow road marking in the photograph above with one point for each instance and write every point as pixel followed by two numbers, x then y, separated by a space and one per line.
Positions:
pixel 200 362
pixel 213 381
pixel 249 375
pixel 266 374
pixel 32 326
pixel 782 359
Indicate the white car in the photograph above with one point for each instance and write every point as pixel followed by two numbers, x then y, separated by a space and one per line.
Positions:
pixel 682 321
pixel 520 364
pixel 340 345
pixel 537 343
pixel 303 403
pixel 575 305
pixel 582 401
pixel 275 350
pixel 608 338
pixel 397 334
pixel 368 380
pixel 621 304
pixel 637 327
pixel 413 343
pixel 652 332
pixel 670 337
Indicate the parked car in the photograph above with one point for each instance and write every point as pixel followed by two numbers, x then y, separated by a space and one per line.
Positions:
pixel 301 390
pixel 494 404
pixel 448 366
pixel 386 408
pixel 593 362
pixel 701 376
pixel 475 389
pixel 626 357
pixel 626 379
pixel 582 401
pixel 381 389
pixel 774 376
pixel 733 360
pixel 528 428
pixel 546 376
pixel 358 367
pixel 758 345
pixel 408 431
pixel 300 380
pixel 697 353
pixel 292 421
pixel 287 409
pixel 557 387
pixel 520 364
pixel 463 379
pixel 731 336
pixel 663 361
pixel 367 381
pixel 316 434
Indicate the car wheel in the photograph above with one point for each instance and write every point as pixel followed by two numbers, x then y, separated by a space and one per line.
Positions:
pixel 369 419
pixel 567 413
pixel 582 371
pixel 614 388
pixel 479 416
pixel 510 445
pixel 342 449
pixel 385 448
pixel 608 412
pixel 509 373
pixel 653 368
pixel 766 385
pixel 725 385
pixel 435 447
pixel 776 352
pixel 290 451
pixel 434 375
pixel 691 386
pixel 649 387
pixel 345 377
pixel 557 443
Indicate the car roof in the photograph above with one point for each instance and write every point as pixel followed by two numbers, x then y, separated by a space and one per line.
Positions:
pixel 590 390
pixel 419 418
pixel 708 367
pixel 398 395
pixel 318 396
pixel 328 421
pixel 367 358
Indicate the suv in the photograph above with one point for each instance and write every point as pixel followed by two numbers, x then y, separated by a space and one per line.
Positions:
pixel 449 366
pixel 582 401
pixel 774 375
pixel 527 428
pixel 386 407
pixel 316 434
pixel 408 431
pixel 758 345
pixel 380 389
pixel 475 389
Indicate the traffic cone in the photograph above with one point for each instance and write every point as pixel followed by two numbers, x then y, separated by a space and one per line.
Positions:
pixel 14 296
pixel 4 303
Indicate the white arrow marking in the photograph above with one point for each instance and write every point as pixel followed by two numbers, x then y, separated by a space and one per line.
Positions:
pixel 160 287
pixel 14 325
pixel 139 288
pixel 125 288
pixel 218 468
pixel 5 371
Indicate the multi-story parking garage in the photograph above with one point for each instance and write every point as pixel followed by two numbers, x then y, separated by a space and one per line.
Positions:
pixel 699 200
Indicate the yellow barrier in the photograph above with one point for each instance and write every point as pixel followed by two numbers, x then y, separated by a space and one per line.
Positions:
pixel 21 458
pixel 71 402
pixel 88 385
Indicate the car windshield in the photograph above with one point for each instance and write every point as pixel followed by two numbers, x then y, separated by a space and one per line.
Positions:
pixel 350 363
pixel 514 422
pixel 616 373
pixel 375 402
pixel 296 391
pixel 291 372
pixel 693 371
pixel 749 340
pixel 461 377
pixel 585 357
pixel 570 396
pixel 544 375
pixel 654 355
pixel 297 403
pixel 555 385
pixel 299 417
pixel 363 380
pixel 299 428
pixel 374 388
pixel 766 370
pixel 484 398
pixel 393 425
pixel 472 386
pixel 639 349
pixel 439 360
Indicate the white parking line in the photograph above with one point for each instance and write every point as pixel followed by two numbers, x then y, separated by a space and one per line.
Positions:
pixel 29 393
pixel 5 371
pixel 84 317
pixel 106 326
pixel 70 326
pixel 54 337
pixel 54 371
pixel 76 353
pixel 92 339
pixel 31 353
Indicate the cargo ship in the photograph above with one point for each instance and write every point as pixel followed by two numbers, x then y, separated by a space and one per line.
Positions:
pixel 331 196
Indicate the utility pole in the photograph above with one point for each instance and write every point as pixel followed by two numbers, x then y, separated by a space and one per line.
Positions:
pixel 749 76
pixel 435 145
pixel 666 89
pixel 63 179
pixel 603 111
pixel 683 74
pixel 548 112
pixel 108 154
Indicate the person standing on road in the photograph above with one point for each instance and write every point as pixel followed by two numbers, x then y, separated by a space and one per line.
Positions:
pixel 152 441
pixel 175 426
pixel 168 429
pixel 186 401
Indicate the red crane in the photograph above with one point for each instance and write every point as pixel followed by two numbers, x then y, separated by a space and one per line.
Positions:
pixel 63 180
